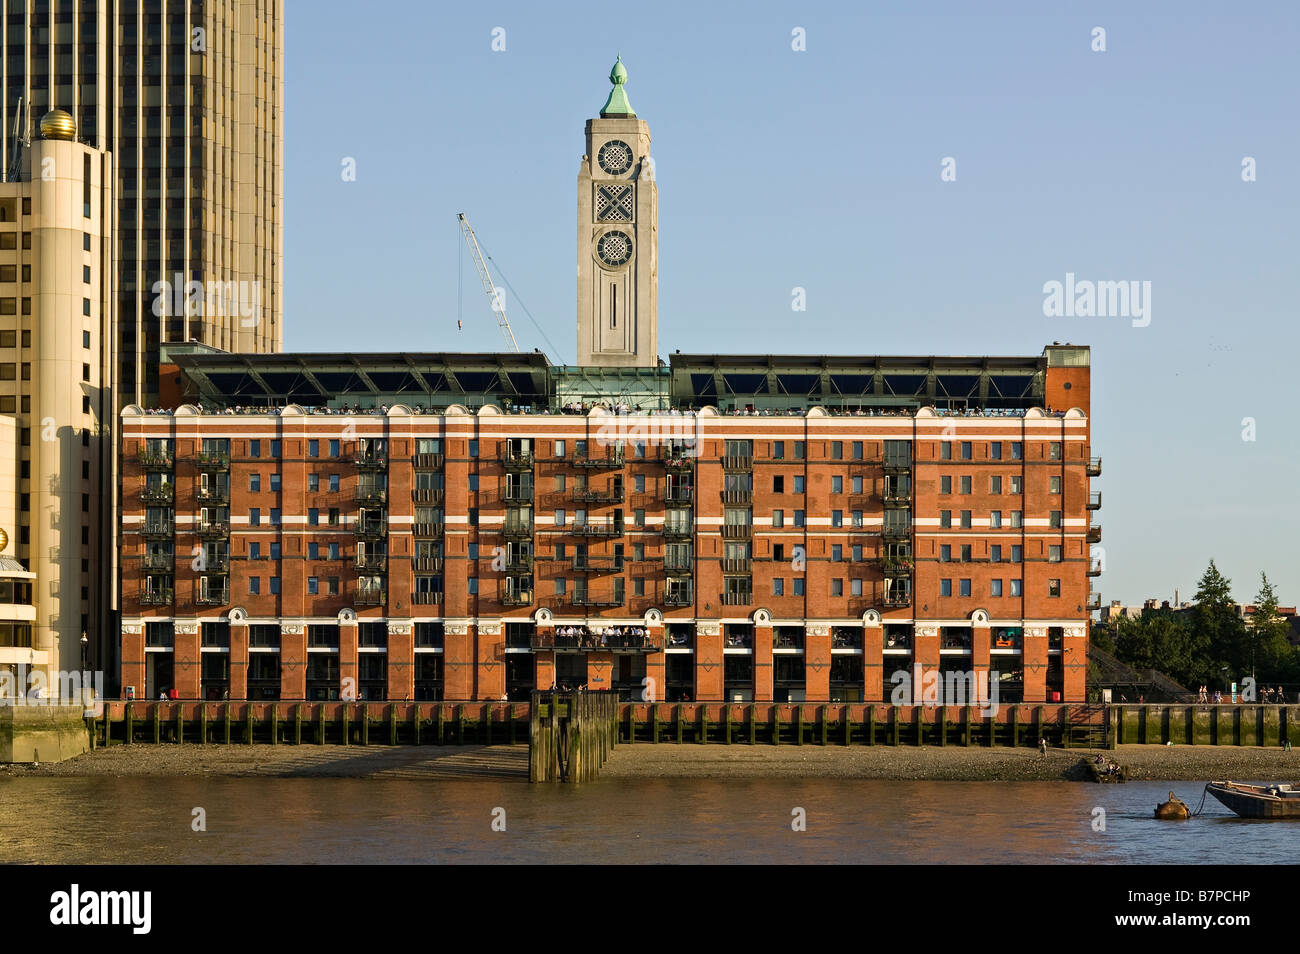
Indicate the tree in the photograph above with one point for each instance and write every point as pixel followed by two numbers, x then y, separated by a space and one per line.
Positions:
pixel 1218 633
pixel 1274 658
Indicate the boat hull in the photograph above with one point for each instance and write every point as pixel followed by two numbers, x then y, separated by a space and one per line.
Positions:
pixel 1256 801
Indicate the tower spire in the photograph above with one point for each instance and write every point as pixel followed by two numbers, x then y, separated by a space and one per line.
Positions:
pixel 617 106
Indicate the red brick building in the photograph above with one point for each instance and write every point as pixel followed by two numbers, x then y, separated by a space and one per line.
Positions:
pixel 753 528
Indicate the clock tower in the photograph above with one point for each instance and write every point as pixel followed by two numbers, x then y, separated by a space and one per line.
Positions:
pixel 618 221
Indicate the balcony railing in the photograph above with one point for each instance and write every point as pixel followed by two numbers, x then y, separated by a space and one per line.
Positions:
pixel 678 494
pixel 737 461
pixel 214 596
pixel 370 528
pixel 594 642
pixel 587 564
pixel 590 599
pixel 678 597
pixel 370 597
pixel 213 461
pixel 427 564
pixel 517 529
pixel 157 561
pixel 678 530
pixel 737 564
pixel 897 497
pixel 370 460
pixel 611 459
pixel 427 598
pixel 1094 569
pixel 609 528
pixel 162 494
pixel 678 463
pixel 617 495
pixel 736 496
pixel 155 597
pixel 895 465
pixel 220 563
pixel 428 461
pixel 517 459
pixel 894 567
pixel 159 528
pixel 213 528
pixel 680 564
pixel 376 562
pixel 427 528
pixel 1094 500
pixel 738 598
pixel 371 496
pixel 737 531
pixel 1094 534
pixel 520 563
pixel 429 495
pixel 1094 601
pixel 898 598
pixel 897 531
pixel 517 598
pixel 518 494
pixel 156 460
pixel 1094 467
pixel 213 495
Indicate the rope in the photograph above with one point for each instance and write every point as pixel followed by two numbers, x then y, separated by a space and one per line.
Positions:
pixel 1204 793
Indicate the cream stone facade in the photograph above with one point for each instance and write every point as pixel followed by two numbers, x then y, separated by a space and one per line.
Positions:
pixel 57 477
pixel 618 246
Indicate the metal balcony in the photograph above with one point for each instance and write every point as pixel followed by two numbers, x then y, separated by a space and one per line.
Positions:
pixel 517 495
pixel 586 564
pixel 737 461
pixel 426 564
pixel 1094 601
pixel 737 531
pixel 517 598
pixel 517 529
pixel 895 598
pixel 678 530
pixel 1094 467
pixel 427 529
pixel 897 465
pixel 430 495
pixel 162 494
pixel 370 529
pixel 678 463
pixel 370 597
pixel 520 563
pixel 216 564
pixel 609 528
pixel 741 598
pixel 897 531
pixel 599 496
pixel 737 564
pixel 896 569
pixel 427 598
pixel 157 561
pixel 737 496
pixel 217 596
pixel 680 597
pixel 161 529
pixel 587 599
pixel 1094 500
pixel 370 460
pixel 213 495
pixel 897 498
pixel 155 597
pixel 156 460
pixel 1094 534
pixel 517 460
pixel 213 528
pixel 213 461
pixel 372 561
pixel 678 564
pixel 613 459
pixel 680 495
pixel 428 461
pixel 371 496
pixel 1094 569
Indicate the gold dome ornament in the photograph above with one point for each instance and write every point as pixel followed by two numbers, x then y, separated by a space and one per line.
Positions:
pixel 4 540
pixel 58 124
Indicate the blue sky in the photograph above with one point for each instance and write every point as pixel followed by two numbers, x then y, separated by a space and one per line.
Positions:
pixel 821 169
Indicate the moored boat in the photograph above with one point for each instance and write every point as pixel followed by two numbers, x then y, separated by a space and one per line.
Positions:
pixel 1276 800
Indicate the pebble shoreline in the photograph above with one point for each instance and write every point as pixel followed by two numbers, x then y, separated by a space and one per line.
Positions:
pixel 1145 763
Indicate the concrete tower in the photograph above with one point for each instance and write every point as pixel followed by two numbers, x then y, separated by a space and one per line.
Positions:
pixel 618 248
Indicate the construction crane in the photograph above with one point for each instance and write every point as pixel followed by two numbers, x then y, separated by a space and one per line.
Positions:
pixel 495 298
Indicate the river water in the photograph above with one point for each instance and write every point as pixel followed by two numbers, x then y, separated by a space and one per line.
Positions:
pixel 361 821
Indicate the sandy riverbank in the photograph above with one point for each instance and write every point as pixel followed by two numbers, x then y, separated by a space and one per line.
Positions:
pixel 668 761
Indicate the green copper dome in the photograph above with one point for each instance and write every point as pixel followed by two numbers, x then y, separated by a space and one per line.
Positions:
pixel 617 106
